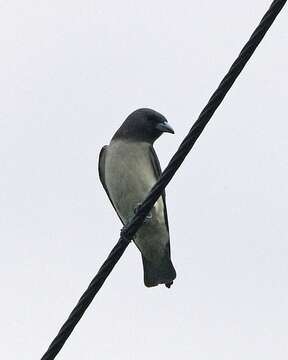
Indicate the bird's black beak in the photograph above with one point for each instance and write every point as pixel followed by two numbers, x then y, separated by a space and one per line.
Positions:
pixel 165 127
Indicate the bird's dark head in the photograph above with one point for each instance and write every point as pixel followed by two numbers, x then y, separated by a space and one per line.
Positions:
pixel 143 125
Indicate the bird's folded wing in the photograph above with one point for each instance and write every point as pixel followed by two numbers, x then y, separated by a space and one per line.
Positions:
pixel 157 169
pixel 101 171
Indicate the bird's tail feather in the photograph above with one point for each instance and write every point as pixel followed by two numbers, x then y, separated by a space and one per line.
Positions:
pixel 162 272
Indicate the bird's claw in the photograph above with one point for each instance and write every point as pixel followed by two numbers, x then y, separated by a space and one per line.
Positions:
pixel 147 218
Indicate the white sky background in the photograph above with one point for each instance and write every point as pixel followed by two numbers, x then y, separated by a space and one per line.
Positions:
pixel 70 73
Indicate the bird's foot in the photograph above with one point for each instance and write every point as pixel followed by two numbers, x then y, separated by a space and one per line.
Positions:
pixel 147 218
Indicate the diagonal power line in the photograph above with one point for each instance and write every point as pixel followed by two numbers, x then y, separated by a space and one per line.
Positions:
pixel 131 228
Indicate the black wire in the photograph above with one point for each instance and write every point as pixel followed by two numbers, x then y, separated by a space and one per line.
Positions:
pixel 131 228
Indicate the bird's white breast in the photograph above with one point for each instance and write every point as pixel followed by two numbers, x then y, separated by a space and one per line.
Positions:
pixel 129 176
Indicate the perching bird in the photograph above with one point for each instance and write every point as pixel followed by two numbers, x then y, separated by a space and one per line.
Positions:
pixel 128 168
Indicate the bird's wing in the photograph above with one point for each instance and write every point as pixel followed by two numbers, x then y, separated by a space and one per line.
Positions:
pixel 101 171
pixel 157 169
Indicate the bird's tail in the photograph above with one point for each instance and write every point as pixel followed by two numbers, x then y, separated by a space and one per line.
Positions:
pixel 162 272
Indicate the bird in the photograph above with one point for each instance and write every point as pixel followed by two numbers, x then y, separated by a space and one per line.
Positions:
pixel 128 168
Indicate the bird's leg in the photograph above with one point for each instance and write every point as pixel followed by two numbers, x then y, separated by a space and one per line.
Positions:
pixel 147 218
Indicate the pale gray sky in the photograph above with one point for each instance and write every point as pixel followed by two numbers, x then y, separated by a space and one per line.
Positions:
pixel 70 73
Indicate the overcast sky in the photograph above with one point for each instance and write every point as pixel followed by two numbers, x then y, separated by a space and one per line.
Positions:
pixel 70 73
